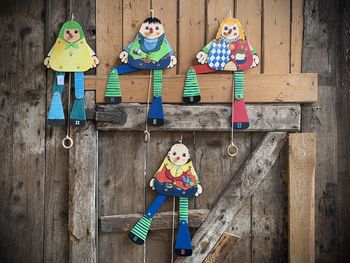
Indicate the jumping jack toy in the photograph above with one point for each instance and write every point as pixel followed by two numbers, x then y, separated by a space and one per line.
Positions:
pixel 150 50
pixel 229 51
pixel 70 53
pixel 175 177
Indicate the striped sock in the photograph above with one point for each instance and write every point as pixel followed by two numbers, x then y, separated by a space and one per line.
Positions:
pixel 141 228
pixel 113 85
pixel 157 82
pixel 191 88
pixel 183 211
pixel 238 85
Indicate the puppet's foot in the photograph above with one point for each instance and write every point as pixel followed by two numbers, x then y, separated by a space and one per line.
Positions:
pixel 191 93
pixel 78 115
pixel 139 231
pixel 183 246
pixel 113 100
pixel 241 125
pixel 192 99
pixel 56 116
pixel 113 93
pixel 240 117
pixel 155 114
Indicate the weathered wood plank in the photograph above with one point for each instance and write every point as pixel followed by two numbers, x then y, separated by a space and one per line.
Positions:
pixel 301 197
pixel 223 248
pixel 200 118
pixel 191 35
pixel 296 35
pixel 237 193
pixel 82 195
pixel 162 220
pixel 22 131
pixel 217 88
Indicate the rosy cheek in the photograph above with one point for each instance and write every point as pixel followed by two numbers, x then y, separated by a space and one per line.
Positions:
pixel 225 33
pixel 157 33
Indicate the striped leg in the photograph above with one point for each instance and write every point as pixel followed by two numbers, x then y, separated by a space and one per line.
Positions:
pixel 78 115
pixel 239 112
pixel 183 246
pixel 139 231
pixel 155 113
pixel 191 93
pixel 56 114
pixel 113 93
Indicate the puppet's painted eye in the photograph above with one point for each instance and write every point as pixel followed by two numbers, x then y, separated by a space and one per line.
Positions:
pixel 225 27
pixel 157 27
pixel 184 155
pixel 234 28
pixel 174 153
pixel 67 32
pixel 146 27
pixel 76 31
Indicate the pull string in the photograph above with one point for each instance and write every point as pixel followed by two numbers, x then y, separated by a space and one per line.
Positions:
pixel 67 141
pixel 146 131
pixel 173 232
pixel 232 149
pixel 145 154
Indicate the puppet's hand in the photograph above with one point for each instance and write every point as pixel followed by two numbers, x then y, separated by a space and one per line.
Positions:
pixel 47 62
pixel 256 61
pixel 199 190
pixel 151 183
pixel 202 57
pixel 173 61
pixel 95 61
pixel 124 56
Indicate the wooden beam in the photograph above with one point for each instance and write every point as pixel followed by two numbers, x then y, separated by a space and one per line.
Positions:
pixel 162 220
pixel 82 194
pixel 237 193
pixel 217 88
pixel 301 197
pixel 223 248
pixel 199 118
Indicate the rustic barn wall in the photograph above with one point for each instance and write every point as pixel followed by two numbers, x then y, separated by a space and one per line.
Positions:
pixel 34 178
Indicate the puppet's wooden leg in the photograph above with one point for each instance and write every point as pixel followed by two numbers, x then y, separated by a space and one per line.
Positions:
pixel 183 246
pixel 191 93
pixel 155 114
pixel 240 116
pixel 78 115
pixel 140 230
pixel 113 93
pixel 56 114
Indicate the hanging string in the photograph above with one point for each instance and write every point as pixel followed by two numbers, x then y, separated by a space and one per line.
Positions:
pixel 146 131
pixel 232 149
pixel 67 141
pixel 173 229
pixel 152 13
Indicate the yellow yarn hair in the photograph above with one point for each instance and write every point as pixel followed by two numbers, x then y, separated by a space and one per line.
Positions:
pixel 230 21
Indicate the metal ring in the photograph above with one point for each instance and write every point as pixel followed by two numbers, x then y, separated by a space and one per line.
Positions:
pixel 232 150
pixel 69 139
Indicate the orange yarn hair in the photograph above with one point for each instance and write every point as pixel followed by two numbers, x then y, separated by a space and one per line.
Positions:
pixel 230 21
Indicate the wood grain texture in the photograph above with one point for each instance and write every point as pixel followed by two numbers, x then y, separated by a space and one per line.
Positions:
pixel 301 197
pixel 198 118
pixel 82 196
pixel 216 11
pixel 109 26
pixel 22 129
pixel 236 194
pixel 296 35
pixel 217 88
pixel 161 221
pixel 191 35
pixel 250 13
pixel 223 248
pixel 120 170
pixel 276 36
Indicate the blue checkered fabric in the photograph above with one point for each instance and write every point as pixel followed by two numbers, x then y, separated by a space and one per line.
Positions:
pixel 219 54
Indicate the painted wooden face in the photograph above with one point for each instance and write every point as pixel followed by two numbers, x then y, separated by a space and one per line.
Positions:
pixel 151 30
pixel 230 31
pixel 179 154
pixel 71 35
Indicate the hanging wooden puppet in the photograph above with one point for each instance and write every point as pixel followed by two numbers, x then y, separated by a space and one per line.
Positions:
pixel 150 50
pixel 175 177
pixel 70 53
pixel 229 51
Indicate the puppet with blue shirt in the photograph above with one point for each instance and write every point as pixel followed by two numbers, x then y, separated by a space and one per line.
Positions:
pixel 150 50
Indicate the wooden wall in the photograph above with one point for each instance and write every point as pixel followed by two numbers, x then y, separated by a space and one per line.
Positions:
pixel 34 179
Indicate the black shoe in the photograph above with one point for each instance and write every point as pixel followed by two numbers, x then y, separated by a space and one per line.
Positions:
pixel 156 122
pixel 78 123
pixel 113 100
pixel 183 252
pixel 135 239
pixel 192 99
pixel 56 122
pixel 241 125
